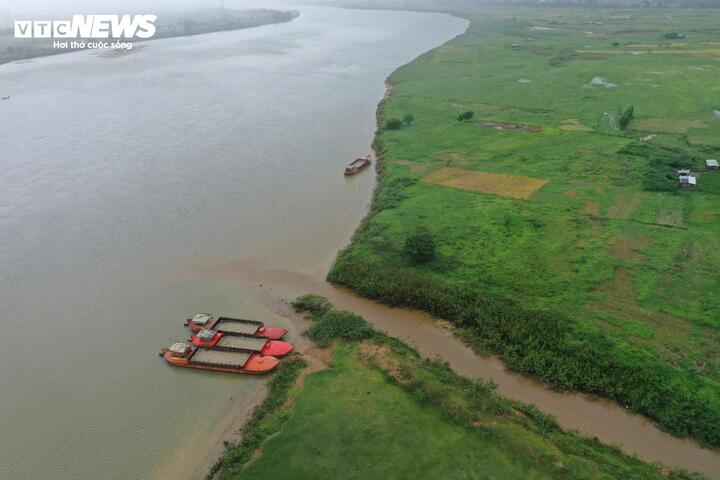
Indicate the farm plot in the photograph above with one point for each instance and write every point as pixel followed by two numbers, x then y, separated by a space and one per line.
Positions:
pixel 515 186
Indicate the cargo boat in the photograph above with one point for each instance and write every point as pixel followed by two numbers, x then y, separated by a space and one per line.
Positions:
pixel 183 354
pixel 240 343
pixel 235 326
pixel 357 165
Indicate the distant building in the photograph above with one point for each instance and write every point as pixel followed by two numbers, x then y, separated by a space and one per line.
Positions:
pixel 684 172
pixel 687 181
pixel 712 164
pixel 647 138
pixel 515 45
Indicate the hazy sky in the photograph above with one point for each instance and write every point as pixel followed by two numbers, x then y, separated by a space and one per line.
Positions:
pixel 121 6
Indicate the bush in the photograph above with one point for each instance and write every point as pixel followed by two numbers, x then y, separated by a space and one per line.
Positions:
pixel 626 116
pixel 408 119
pixel 419 248
pixel 312 303
pixel 673 36
pixel 393 124
pixel 339 324
pixel 465 116
pixel 330 323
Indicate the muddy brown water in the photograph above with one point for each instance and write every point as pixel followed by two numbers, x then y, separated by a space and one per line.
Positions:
pixel 601 418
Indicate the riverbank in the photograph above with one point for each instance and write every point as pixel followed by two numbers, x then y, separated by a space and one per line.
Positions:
pixel 272 288
pixel 556 248
pixel 168 26
pixel 413 404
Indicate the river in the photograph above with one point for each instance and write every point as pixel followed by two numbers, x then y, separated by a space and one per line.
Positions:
pixel 119 173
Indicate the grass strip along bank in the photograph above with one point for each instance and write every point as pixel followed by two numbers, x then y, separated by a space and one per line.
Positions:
pixel 381 411
pixel 568 248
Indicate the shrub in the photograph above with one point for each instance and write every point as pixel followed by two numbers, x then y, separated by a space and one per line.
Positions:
pixel 673 35
pixel 312 303
pixel 339 324
pixel 419 248
pixel 465 116
pixel 330 323
pixel 408 119
pixel 626 116
pixel 393 124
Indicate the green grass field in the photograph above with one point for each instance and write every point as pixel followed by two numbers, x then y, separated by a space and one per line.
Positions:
pixel 607 278
pixel 380 411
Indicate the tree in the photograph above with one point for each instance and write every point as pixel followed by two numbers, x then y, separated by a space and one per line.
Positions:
pixel 393 124
pixel 419 247
pixel 626 116
pixel 408 119
pixel 465 116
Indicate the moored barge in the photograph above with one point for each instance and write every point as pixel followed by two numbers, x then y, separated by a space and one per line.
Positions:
pixel 183 354
pixel 357 165
pixel 240 343
pixel 235 326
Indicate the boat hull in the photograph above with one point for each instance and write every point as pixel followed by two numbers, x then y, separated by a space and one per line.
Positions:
pixel 230 343
pixel 257 364
pixel 357 166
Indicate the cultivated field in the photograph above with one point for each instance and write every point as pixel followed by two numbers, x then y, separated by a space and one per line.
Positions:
pixel 515 186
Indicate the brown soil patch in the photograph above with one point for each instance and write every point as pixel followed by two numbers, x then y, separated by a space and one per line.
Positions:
pixel 624 206
pixel 511 126
pixel 414 167
pixel 571 193
pixel 383 356
pixel 626 247
pixel 515 186
pixel 592 207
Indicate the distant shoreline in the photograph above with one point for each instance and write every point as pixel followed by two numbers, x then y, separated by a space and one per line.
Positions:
pixel 242 19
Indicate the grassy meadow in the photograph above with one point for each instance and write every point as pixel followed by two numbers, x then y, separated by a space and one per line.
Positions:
pixel 380 411
pixel 563 242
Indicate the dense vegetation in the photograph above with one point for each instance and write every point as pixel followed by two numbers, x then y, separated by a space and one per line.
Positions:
pixel 563 242
pixel 381 411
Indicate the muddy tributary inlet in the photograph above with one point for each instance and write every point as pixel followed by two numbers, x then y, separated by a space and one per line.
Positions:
pixel 609 422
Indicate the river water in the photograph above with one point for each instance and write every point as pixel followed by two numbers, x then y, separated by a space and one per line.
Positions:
pixel 118 173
